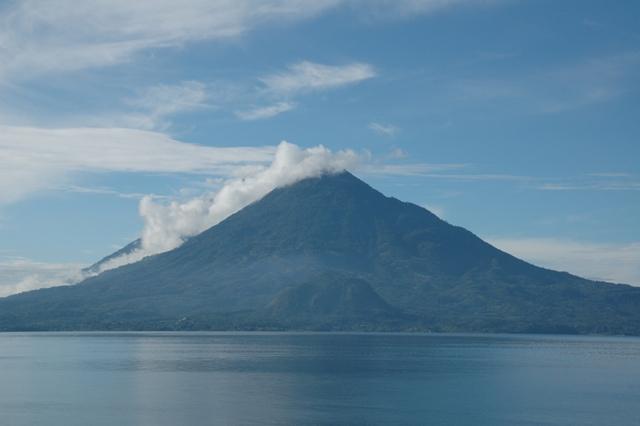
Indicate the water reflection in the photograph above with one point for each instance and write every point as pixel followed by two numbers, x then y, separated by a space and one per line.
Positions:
pixel 280 378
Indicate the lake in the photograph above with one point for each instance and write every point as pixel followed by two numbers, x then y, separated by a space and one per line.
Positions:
pixel 317 379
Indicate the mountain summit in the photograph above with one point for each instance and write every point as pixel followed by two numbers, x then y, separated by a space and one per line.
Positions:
pixel 331 253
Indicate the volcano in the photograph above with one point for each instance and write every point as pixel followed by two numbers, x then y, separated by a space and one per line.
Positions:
pixel 331 253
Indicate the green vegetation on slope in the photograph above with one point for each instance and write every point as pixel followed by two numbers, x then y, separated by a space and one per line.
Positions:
pixel 331 253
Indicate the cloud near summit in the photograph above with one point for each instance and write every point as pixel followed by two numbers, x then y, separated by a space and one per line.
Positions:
pixel 167 225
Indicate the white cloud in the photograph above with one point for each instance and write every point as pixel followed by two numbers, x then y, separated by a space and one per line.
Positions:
pixel 152 107
pixel 302 78
pixel 156 103
pixel 265 112
pixel 18 274
pixel 166 225
pixel 35 158
pixel 308 76
pixel 39 36
pixel 384 129
pixel 614 262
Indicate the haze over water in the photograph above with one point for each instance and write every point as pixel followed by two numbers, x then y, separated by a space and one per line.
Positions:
pixel 290 378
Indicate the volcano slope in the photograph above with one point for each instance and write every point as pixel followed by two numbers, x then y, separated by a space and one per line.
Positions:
pixel 331 253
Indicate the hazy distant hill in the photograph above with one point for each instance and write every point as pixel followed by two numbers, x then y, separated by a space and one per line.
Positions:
pixel 128 249
pixel 331 253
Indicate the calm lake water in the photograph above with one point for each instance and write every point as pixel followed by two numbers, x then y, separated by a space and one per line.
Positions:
pixel 317 379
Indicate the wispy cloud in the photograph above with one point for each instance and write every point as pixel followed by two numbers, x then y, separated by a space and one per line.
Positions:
pixel 19 274
pixel 384 129
pixel 156 103
pixel 601 186
pixel 395 9
pixel 593 81
pixel 613 262
pixel 558 89
pixel 38 36
pixel 611 174
pixel 102 191
pixel 306 76
pixel 408 169
pixel 266 111
pixel 299 79
pixel 439 171
pixel 594 182
pixel 36 158
pixel 152 107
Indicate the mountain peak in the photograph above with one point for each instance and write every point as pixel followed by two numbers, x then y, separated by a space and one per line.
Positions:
pixel 331 252
pixel 343 181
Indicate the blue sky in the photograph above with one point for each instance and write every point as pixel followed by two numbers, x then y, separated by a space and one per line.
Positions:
pixel 515 119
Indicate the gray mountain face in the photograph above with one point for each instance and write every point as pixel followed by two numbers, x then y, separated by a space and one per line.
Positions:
pixel 331 253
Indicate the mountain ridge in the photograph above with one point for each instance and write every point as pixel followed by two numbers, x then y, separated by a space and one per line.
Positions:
pixel 281 261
